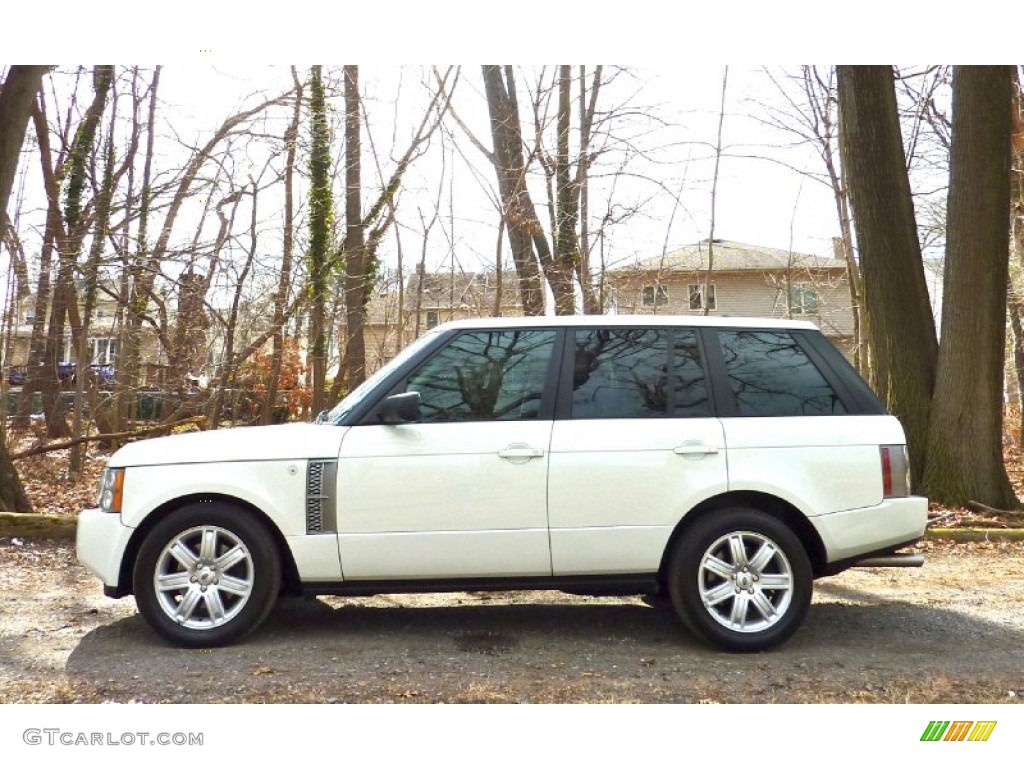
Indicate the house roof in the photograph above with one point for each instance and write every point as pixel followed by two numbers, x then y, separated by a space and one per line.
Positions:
pixel 449 290
pixel 733 257
pixel 470 291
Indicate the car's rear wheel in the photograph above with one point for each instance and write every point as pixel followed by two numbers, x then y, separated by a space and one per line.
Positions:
pixel 207 575
pixel 740 579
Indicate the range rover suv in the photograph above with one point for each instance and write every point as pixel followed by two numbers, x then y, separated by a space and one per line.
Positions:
pixel 719 464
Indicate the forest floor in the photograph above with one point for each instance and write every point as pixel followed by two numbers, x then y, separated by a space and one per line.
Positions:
pixel 950 632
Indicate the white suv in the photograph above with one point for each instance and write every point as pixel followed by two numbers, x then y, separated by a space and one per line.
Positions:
pixel 723 462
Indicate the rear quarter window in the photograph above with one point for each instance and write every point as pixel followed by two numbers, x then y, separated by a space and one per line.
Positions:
pixel 770 374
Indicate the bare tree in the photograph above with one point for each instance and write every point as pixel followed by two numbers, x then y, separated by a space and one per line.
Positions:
pixel 364 231
pixel 16 98
pixel 320 226
pixel 810 113
pixel 354 245
pixel 965 460
pixel 903 339
pixel 706 297
pixel 524 229
pixel 281 295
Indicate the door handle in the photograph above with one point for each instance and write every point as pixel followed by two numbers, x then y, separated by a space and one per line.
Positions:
pixel 695 448
pixel 520 451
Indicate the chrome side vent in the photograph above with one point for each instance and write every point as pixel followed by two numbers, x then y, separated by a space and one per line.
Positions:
pixel 321 500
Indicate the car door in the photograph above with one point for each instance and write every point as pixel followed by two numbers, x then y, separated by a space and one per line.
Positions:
pixel 635 445
pixel 462 492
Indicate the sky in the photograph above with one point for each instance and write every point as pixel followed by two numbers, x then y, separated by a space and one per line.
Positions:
pixel 214 56
pixel 670 122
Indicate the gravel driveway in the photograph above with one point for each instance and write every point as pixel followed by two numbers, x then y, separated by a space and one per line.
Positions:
pixel 949 632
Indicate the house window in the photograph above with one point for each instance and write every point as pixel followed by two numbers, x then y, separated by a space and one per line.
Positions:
pixel 432 319
pixel 655 296
pixel 696 294
pixel 102 351
pixel 803 299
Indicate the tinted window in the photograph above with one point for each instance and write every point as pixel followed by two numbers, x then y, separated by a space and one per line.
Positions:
pixel 770 375
pixel 485 375
pixel 620 374
pixel 690 394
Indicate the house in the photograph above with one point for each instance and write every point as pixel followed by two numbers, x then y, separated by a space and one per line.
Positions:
pixel 429 299
pixel 745 280
pixel 104 332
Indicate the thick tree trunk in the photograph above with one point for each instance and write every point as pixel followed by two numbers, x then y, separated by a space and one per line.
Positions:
pixel 902 330
pixel 16 99
pixel 965 459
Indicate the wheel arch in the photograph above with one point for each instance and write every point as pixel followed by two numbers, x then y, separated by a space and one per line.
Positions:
pixel 772 505
pixel 289 571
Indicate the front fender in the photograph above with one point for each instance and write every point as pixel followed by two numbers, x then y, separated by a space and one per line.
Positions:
pixel 277 488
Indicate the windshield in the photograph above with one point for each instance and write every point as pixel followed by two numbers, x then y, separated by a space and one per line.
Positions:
pixel 357 395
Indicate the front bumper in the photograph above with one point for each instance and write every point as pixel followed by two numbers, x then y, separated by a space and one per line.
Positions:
pixel 101 542
pixel 853 532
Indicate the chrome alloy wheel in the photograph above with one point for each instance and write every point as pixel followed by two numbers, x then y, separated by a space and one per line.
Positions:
pixel 203 577
pixel 745 581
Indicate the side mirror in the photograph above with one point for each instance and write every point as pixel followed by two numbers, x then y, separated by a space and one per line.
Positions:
pixel 400 409
pixel 321 417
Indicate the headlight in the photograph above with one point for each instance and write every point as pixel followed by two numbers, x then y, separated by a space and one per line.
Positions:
pixel 111 490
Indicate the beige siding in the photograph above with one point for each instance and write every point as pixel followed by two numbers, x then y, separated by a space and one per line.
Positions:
pixel 740 294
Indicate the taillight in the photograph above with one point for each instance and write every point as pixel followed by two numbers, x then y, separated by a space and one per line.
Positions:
pixel 895 471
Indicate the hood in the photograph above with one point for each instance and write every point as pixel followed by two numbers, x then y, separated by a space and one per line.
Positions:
pixel 278 442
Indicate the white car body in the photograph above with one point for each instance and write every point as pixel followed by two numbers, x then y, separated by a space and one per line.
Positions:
pixel 403 506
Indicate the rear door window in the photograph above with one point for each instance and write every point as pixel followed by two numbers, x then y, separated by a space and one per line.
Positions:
pixel 632 373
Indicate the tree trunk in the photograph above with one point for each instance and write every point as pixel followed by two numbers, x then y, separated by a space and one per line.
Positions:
pixel 320 211
pixel 16 99
pixel 520 215
pixel 566 255
pixel 291 137
pixel 965 458
pixel 902 330
pixel 591 303
pixel 354 244
pixel 130 359
pixel 82 149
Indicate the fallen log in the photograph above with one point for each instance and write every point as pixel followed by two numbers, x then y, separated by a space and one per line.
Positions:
pixel 38 526
pixel 148 431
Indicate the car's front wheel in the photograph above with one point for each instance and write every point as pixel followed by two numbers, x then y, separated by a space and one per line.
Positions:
pixel 206 575
pixel 740 579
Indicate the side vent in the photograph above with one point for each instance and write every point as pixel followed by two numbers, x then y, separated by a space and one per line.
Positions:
pixel 321 499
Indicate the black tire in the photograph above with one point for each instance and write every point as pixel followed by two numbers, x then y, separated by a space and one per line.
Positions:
pixel 214 597
pixel 732 608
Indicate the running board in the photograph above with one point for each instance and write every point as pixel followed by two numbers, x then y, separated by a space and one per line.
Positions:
pixel 908 560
